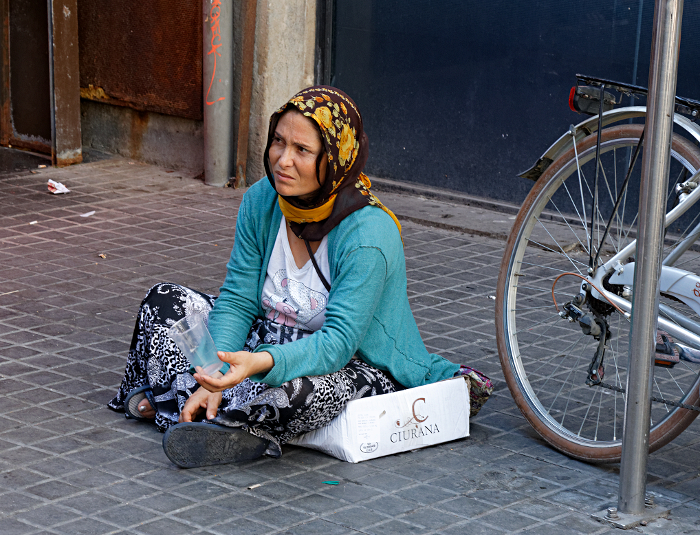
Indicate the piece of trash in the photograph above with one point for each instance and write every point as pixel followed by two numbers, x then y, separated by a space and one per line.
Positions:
pixel 33 222
pixel 12 292
pixel 102 255
pixel 492 297
pixel 41 166
pixel 332 482
pixel 87 214
pixel 254 486
pixel 57 187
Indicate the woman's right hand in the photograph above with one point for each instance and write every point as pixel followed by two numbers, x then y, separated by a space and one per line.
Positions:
pixel 200 399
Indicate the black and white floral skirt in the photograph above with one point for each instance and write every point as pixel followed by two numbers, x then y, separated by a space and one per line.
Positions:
pixel 276 414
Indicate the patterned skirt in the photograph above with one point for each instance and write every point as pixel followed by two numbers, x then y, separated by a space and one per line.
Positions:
pixel 276 414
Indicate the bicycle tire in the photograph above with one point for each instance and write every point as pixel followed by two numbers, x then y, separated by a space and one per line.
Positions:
pixel 516 325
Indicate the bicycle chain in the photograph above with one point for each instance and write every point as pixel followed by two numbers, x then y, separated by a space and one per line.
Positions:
pixel 653 398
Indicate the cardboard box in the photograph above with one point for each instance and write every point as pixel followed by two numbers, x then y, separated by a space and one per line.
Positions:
pixel 383 425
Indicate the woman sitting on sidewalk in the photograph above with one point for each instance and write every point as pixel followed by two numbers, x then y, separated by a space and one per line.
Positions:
pixel 313 312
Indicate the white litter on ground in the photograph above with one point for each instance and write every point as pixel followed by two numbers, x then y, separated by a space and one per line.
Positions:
pixel 57 187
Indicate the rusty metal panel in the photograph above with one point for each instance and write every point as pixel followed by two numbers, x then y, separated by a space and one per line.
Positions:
pixel 144 55
pixel 30 101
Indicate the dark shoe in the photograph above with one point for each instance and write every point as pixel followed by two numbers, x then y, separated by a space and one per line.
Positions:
pixel 136 396
pixel 194 444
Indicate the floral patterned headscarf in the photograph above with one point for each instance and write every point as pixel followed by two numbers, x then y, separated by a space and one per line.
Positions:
pixel 346 187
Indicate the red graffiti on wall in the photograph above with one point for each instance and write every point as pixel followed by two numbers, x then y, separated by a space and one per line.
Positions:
pixel 214 14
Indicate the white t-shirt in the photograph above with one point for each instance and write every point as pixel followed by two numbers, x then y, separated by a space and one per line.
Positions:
pixel 292 296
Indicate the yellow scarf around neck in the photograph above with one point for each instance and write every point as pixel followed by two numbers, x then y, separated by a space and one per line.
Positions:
pixel 311 215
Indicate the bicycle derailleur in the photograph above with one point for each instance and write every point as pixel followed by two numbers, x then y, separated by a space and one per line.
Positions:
pixel 594 325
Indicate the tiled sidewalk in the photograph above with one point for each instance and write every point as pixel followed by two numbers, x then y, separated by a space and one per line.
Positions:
pixel 70 284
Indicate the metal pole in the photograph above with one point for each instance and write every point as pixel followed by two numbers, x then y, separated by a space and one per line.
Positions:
pixel 218 90
pixel 645 299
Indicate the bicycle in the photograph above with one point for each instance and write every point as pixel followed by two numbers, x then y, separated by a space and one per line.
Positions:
pixel 564 290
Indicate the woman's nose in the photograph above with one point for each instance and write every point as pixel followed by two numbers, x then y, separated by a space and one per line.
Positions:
pixel 286 158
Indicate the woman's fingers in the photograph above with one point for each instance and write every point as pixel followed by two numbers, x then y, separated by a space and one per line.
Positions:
pixel 197 401
pixel 213 401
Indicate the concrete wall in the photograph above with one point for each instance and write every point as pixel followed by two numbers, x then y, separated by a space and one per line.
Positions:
pixel 284 64
pixel 149 137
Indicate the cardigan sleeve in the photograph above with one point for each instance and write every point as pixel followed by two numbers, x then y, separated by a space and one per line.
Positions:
pixel 355 293
pixel 238 303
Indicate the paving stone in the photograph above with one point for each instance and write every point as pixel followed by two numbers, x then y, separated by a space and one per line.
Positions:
pixel 356 517
pixel 71 464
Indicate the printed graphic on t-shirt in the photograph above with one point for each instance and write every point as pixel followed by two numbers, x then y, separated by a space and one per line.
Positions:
pixel 292 303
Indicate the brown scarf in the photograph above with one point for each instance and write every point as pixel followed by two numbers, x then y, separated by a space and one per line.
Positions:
pixel 346 188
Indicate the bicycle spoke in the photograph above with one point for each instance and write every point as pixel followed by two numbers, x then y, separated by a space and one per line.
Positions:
pixel 546 358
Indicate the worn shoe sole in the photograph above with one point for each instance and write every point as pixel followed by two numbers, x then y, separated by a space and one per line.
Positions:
pixel 194 444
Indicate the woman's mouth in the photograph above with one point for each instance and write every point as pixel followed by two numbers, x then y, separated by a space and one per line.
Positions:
pixel 282 176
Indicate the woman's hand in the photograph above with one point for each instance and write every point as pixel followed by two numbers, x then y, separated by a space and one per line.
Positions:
pixel 201 399
pixel 243 365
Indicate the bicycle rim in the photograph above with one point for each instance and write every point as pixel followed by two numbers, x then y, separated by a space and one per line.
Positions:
pixel 545 358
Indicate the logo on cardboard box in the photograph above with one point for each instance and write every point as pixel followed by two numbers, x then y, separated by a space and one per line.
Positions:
pixel 369 447
pixel 415 426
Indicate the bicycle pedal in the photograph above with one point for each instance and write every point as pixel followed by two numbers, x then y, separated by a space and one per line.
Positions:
pixel 664 362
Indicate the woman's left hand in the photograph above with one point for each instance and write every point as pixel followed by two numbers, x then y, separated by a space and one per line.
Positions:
pixel 243 365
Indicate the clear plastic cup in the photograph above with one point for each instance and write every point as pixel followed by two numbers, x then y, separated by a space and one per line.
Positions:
pixel 192 337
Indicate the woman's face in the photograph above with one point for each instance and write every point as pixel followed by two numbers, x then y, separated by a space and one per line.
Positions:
pixel 295 147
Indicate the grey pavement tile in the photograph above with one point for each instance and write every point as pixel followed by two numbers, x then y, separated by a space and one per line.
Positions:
pixel 164 502
pixel 317 527
pixel 125 516
pixel 10 526
pixel 23 455
pixel 92 478
pixel 507 519
pixel 89 502
pixel 425 494
pixel 238 503
pixel 52 490
pixel 316 503
pixel 353 492
pixel 579 523
pixel 430 518
pixel 241 478
pixel 73 329
pixel 11 502
pixel 278 491
pixel 239 526
pixel 128 490
pixel 85 526
pixel 473 527
pixel 356 517
pixel 396 527
pixel 391 504
pixel 464 506
pixel 164 525
pixel 18 479
pixel 280 516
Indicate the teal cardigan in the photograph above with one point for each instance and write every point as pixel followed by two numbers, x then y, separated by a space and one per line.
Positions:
pixel 367 315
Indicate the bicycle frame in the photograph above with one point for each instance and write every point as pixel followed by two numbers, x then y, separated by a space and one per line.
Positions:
pixel 690 332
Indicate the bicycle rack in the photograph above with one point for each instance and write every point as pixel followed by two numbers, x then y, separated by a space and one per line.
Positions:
pixel 633 507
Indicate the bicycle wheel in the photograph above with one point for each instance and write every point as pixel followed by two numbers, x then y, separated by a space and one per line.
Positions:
pixel 545 358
